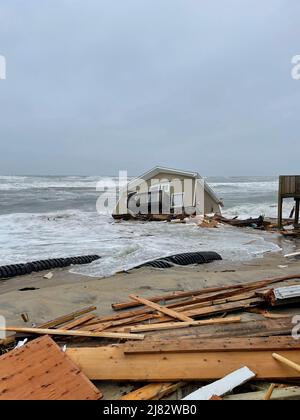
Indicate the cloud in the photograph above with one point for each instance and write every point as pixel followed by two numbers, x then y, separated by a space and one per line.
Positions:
pixel 96 86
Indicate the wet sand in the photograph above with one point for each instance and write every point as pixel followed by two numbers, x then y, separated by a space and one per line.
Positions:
pixel 67 292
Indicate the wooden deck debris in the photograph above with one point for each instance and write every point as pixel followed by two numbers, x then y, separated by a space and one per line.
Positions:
pixel 67 318
pixel 41 371
pixel 177 325
pixel 223 386
pixel 256 285
pixel 288 393
pixel 184 336
pixel 162 309
pixel 282 295
pixel 258 222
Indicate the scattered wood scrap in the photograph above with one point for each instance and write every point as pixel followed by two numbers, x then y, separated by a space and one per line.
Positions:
pixel 288 393
pixel 281 296
pixel 183 336
pixel 41 371
pixel 72 333
pixel 177 325
pixel 256 285
pixel 258 222
pixel 153 391
pixel 164 310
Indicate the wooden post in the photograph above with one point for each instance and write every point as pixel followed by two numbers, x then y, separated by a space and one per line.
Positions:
pixel 280 203
pixel 297 210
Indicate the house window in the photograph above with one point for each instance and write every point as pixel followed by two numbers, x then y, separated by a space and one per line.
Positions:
pixel 160 187
pixel 177 200
pixel 155 188
pixel 165 187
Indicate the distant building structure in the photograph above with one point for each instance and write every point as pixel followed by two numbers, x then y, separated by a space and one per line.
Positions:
pixel 289 187
pixel 167 193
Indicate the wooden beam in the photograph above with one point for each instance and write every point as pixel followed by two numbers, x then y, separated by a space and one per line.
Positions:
pixel 46 331
pixel 53 323
pixel 297 212
pixel 212 345
pixel 66 318
pixel 280 210
pixel 169 312
pixel 78 322
pixel 257 328
pixel 177 325
pixel 287 362
pixel 109 363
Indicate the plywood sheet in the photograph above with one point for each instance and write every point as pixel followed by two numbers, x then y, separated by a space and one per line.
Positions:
pixel 41 371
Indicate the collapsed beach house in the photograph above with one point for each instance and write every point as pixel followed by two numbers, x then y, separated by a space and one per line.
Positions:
pixel 165 194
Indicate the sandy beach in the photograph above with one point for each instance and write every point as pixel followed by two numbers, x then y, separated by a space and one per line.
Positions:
pixel 67 292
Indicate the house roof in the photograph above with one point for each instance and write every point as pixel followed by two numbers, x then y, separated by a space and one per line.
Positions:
pixel 161 169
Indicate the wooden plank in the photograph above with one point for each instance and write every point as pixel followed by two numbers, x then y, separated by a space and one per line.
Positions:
pixel 217 309
pixel 149 313
pixel 223 386
pixel 66 318
pixel 184 294
pixel 44 331
pixel 212 345
pixel 257 328
pixel 287 362
pixel 78 322
pixel 98 327
pixel 41 371
pixel 53 323
pixel 177 325
pixel 269 393
pixel 169 312
pixel 289 393
pixel 152 391
pixel 212 300
pixel 111 364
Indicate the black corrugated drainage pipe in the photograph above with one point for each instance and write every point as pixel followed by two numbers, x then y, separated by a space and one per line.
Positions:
pixel 8 271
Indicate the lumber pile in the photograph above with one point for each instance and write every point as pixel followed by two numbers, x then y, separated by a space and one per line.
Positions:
pixel 170 342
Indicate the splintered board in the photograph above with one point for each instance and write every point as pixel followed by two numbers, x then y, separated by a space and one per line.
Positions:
pixel 41 371
pixel 110 363
pixel 212 345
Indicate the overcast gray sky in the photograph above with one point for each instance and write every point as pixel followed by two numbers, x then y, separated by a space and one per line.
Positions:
pixel 94 86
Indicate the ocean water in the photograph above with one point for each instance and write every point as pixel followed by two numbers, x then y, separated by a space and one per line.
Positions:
pixel 51 217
